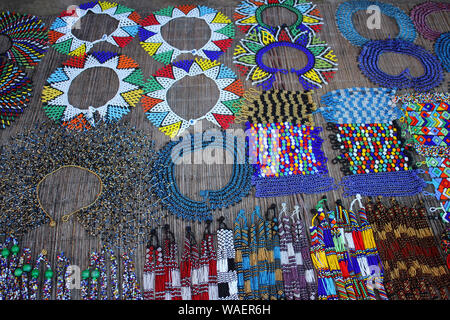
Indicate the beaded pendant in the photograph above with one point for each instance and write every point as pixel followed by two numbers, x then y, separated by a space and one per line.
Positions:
pixel 63 40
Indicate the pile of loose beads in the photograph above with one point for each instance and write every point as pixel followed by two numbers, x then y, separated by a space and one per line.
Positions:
pixel 369 65
pixel 419 16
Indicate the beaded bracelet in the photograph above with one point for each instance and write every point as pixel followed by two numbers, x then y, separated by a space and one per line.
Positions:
pixel 369 65
pixel 346 10
pixel 419 16
pixel 442 50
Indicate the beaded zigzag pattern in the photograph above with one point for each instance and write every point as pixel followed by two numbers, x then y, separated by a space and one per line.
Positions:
pixel 28 36
pixel 63 41
pixel 442 50
pixel 15 93
pixel 346 10
pixel 222 114
pixel 321 65
pixel 278 106
pixel 249 15
pixel 419 16
pixel 55 92
pixel 369 65
pixel 222 32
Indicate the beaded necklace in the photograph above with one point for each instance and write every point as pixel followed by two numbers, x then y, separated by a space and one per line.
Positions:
pixel 63 276
pixel 369 65
pixel 419 16
pixel 48 274
pixel 442 50
pixel 226 266
pixel 241 243
pixel 130 285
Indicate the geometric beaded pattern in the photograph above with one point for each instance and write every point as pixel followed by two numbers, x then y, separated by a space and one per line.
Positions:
pixel 222 32
pixel 63 41
pixel 222 114
pixel 369 64
pixel 346 10
pixel 419 16
pixel 321 65
pixel 249 15
pixel 28 36
pixel 15 92
pixel 55 93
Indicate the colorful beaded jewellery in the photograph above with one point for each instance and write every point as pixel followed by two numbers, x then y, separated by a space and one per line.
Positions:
pixel 15 93
pixel 222 114
pixel 171 268
pixel 321 65
pixel 369 59
pixel 288 159
pixel 63 41
pixel 427 97
pixel 28 37
pixel 173 200
pixel 63 276
pixel 55 94
pixel 249 15
pixel 359 105
pixel 207 274
pixel 189 268
pixel 346 10
pixel 419 16
pixel 112 215
pixel 226 267
pixel 277 106
pixel 222 32
pixel 275 273
pixel 241 244
pixel 442 50
pixel 153 277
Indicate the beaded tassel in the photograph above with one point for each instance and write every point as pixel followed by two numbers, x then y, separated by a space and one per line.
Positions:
pixel 269 224
pixel 171 269
pixel 226 266
pixel 275 238
pixel 241 243
pixel 186 265
pixel 203 272
pixel 212 268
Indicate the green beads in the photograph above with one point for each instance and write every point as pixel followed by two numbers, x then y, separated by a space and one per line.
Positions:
pixel 35 273
pixel 5 253
pixel 26 268
pixel 15 249
pixel 48 273
pixel 18 272
pixel 85 274
pixel 95 274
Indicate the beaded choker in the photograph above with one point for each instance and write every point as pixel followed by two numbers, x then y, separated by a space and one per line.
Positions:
pixel 277 106
pixel 442 50
pixel 369 65
pixel 419 15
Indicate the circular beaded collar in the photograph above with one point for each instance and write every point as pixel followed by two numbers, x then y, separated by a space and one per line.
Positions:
pixel 321 65
pixel 28 36
pixel 55 93
pixel 248 15
pixel 368 63
pixel 15 92
pixel 442 50
pixel 222 32
pixel 63 41
pixel 419 16
pixel 172 199
pixel 222 113
pixel 345 11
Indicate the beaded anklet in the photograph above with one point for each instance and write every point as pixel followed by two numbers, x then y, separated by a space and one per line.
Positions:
pixel 346 10
pixel 63 40
pixel 15 93
pixel 369 65
pixel 419 16
pixel 442 50
pixel 248 15
pixel 321 65
pixel 55 93
pixel 226 266
pixel 277 106
pixel 174 201
pixel 28 37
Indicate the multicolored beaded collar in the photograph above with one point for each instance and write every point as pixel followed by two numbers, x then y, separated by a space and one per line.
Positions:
pixel 321 65
pixel 63 41
pixel 165 186
pixel 346 10
pixel 55 93
pixel 28 37
pixel 442 50
pixel 248 15
pixel 222 114
pixel 369 65
pixel 222 32
pixel 419 16
pixel 15 93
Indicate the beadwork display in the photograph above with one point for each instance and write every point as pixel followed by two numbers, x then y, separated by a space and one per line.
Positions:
pixel 55 94
pixel 419 16
pixel 222 32
pixel 175 202
pixel 442 50
pixel 249 15
pixel 62 39
pixel 15 93
pixel 346 10
pixel 288 159
pixel 369 65
pixel 226 266
pixel 28 38
pixel 222 114
pixel 321 65
pixel 113 216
